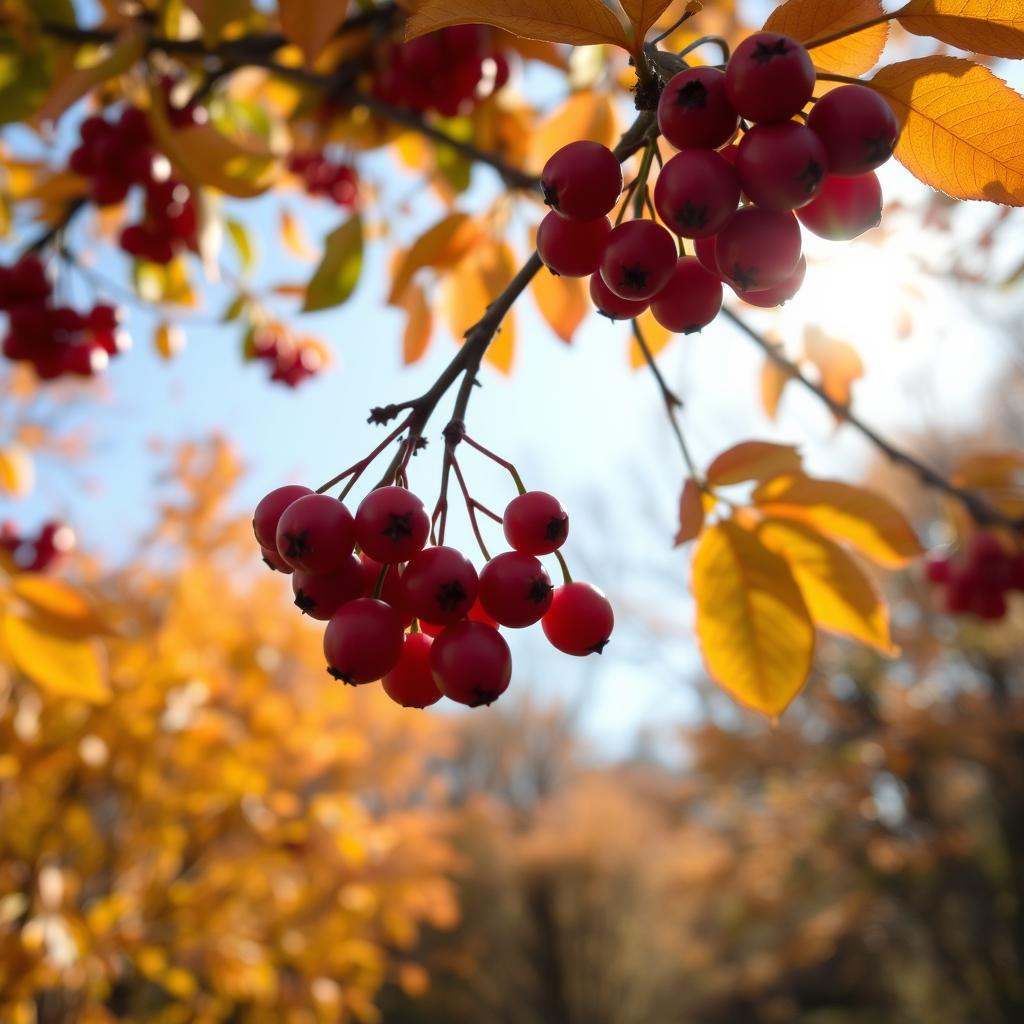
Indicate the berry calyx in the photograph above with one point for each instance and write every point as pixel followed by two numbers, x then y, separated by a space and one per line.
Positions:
pixel 270 509
pixel 780 293
pixel 844 208
pixel 580 619
pixel 691 299
pixel 770 77
pixel 273 560
pixel 781 166
pixel 363 641
pixel 696 193
pixel 757 248
pixel 857 128
pixel 572 248
pixel 694 111
pixel 638 259
pixel 608 304
pixel 582 180
pixel 316 533
pixel 391 524
pixel 535 523
pixel 411 682
pixel 439 585
pixel 471 663
pixel 515 589
pixel 320 595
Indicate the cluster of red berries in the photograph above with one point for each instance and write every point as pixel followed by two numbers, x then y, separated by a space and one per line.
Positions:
pixel 819 174
pixel 447 71
pixel 114 156
pixel 323 177
pixel 291 360
pixel 56 340
pixel 416 616
pixel 979 581
pixel 34 554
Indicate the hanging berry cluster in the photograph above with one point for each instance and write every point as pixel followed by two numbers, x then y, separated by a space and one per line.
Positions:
pixel 979 579
pixel 325 178
pixel 740 204
pixel 56 340
pixel 418 615
pixel 291 360
pixel 23 553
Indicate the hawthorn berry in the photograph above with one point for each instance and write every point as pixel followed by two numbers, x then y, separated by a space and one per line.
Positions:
pixel 391 524
pixel 781 166
pixel 757 248
pixel 535 523
pixel 38 554
pixel 471 663
pixel 411 682
pixel 705 250
pixel 273 560
pixel 857 128
pixel 582 181
pixel 691 299
pixel 580 619
pixel 320 594
pixel 477 614
pixel 608 304
pixel 363 641
pixel 696 193
pixel 938 569
pixel 638 260
pixel 770 77
pixel 391 590
pixel 316 533
pixel 844 208
pixel 515 589
pixel 780 293
pixel 572 248
pixel 694 111
pixel 270 509
pixel 439 585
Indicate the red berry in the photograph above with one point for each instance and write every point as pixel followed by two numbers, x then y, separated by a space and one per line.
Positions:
pixel 439 585
pixel 857 128
pixel 572 248
pixel 316 533
pixel 705 250
pixel 938 570
pixel 273 560
pixel 321 594
pixel 471 663
pixel 1016 573
pixel 411 682
pixel 582 180
pixel 758 248
pixel 696 193
pixel 608 304
pixel 770 77
pixel 535 523
pixel 989 604
pixel 477 614
pixel 391 591
pixel 691 299
pixel 638 259
pixel 391 524
pixel 363 641
pixel 580 619
pixel 694 111
pixel 780 293
pixel 269 510
pixel 986 547
pixel 844 208
pixel 515 589
pixel 781 166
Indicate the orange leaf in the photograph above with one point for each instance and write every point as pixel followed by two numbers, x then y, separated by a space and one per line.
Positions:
pixel 753 460
pixel 578 22
pixel 656 336
pixel 17 471
pixel 994 27
pixel 310 24
pixel 962 127
pixel 294 237
pixel 837 361
pixel 59 605
pixel 440 246
pixel 691 513
pixel 643 14
pixel 807 20
pixel 169 340
pixel 773 380
pixel 754 629
pixel 586 114
pixel 564 302
pixel 850 515
pixel 418 327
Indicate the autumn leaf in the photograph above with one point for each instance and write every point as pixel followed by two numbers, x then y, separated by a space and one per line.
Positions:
pixel 418 327
pixel 962 129
pixel 441 246
pixel 691 513
pixel 57 604
pixel 993 27
pixel 835 589
pixel 656 336
pixel 586 114
pixel 753 460
pixel 807 20
pixel 310 24
pixel 17 471
pixel 564 302
pixel 754 629
pixel 577 22
pixel 774 379
pixel 294 237
pixel 338 273
pixel 838 363
pixel 844 513
pixel 168 340
pixel 643 14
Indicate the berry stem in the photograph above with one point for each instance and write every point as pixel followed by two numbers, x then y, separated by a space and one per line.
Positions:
pixel 640 192
pixel 471 506
pixel 563 565
pixel 357 470
pixel 504 463
pixel 378 587
pixel 850 30
pixel 687 14
pixel 718 41
pixel 828 76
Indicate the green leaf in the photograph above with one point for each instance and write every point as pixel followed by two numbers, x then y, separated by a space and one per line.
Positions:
pixel 24 78
pixel 338 274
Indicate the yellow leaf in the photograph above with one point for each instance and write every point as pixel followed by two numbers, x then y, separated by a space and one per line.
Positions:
pixel 62 666
pixel 807 20
pixel 294 237
pixel 168 340
pixel 17 471
pixel 643 14
pixel 962 127
pixel 338 273
pixel 586 114
pixel 59 605
pixel 838 362
pixel 753 460
pixel 564 302
pixel 310 24
pixel 578 22
pixel 773 380
pixel 656 336
pixel 440 246
pixel 418 327
pixel 850 515
pixel 754 629
pixel 691 513
pixel 994 27
pixel 837 593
